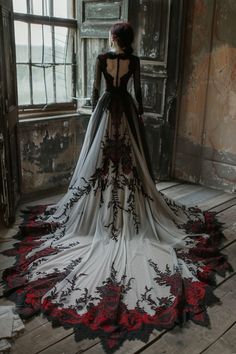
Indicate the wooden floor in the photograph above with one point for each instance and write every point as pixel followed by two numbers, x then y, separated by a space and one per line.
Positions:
pixel 40 337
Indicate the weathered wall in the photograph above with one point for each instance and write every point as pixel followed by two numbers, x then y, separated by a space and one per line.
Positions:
pixel 49 152
pixel 206 144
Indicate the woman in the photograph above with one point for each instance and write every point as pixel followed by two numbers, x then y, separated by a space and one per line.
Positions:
pixel 114 258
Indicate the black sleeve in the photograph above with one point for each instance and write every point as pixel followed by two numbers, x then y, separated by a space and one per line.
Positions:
pixel 96 83
pixel 137 86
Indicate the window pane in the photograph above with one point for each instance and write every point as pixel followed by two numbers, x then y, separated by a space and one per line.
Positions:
pixel 46 7
pixel 39 35
pixel 64 83
pixel 42 94
pixel 19 6
pixel 70 48
pixel 38 85
pixel 60 44
pixel 47 37
pixel 36 43
pixel 36 7
pixel 63 45
pixel 21 40
pixel 49 84
pixel 40 7
pixel 23 84
pixel 63 8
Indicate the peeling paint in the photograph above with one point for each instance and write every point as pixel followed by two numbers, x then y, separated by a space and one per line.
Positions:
pixel 49 152
pixel 207 123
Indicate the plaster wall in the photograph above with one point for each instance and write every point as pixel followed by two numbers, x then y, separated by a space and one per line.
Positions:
pixel 206 144
pixel 49 152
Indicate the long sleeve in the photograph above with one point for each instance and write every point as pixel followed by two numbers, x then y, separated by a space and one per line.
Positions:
pixel 96 84
pixel 137 86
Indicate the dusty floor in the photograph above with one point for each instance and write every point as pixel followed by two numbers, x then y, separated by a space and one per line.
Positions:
pixel 40 337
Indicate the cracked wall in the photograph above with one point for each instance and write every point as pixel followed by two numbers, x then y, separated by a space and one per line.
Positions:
pixel 49 152
pixel 206 144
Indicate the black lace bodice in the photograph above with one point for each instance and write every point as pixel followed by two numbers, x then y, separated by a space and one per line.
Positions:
pixel 117 70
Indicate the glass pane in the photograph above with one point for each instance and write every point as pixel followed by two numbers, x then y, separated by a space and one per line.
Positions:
pixel 41 35
pixel 63 45
pixel 40 7
pixel 70 48
pixel 19 6
pixel 36 7
pixel 47 38
pixel 36 43
pixel 46 7
pixel 38 85
pixel 49 84
pixel 69 83
pixel 64 83
pixel 23 84
pixel 60 44
pixel 21 41
pixel 63 8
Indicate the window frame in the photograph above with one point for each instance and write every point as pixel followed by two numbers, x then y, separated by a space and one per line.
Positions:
pixel 57 107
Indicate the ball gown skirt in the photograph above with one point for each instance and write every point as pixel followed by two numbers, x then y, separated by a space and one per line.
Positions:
pixel 115 258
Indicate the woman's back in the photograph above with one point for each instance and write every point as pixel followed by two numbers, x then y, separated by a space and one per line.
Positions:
pixel 117 69
pixel 115 258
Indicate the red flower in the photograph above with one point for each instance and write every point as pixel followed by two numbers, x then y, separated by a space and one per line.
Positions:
pixel 132 320
pixel 194 292
pixel 167 317
pixel 32 299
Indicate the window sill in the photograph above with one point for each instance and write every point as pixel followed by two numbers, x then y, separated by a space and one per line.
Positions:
pixel 39 118
pixel 85 110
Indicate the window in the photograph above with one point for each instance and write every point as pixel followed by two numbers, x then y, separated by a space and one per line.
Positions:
pixel 45 36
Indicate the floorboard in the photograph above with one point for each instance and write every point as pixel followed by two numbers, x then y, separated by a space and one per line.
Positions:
pixel 71 346
pixel 198 197
pixel 40 337
pixel 161 186
pixel 218 201
pixel 138 346
pixel 226 344
pixel 194 339
pixel 230 236
pixel 228 216
pixel 180 191
pixel 224 206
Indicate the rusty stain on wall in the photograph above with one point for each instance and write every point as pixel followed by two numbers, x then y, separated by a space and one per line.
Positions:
pixel 206 144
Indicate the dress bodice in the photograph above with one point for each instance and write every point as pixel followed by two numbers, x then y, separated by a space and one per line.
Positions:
pixel 117 69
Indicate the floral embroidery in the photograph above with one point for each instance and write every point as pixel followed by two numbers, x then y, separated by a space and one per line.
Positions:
pixel 98 261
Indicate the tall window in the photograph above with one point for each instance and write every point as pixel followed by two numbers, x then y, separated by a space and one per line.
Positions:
pixel 45 36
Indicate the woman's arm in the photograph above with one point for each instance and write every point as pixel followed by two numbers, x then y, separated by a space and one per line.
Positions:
pixel 137 86
pixel 96 83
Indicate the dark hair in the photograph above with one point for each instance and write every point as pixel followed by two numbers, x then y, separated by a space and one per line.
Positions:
pixel 123 33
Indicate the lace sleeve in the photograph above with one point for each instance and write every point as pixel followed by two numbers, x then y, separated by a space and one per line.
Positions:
pixel 96 84
pixel 137 86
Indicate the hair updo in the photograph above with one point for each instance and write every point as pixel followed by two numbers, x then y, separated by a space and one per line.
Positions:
pixel 123 33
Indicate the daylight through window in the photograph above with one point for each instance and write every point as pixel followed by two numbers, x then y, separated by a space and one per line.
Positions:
pixel 45 36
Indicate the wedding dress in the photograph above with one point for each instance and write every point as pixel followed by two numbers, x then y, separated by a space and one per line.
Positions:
pixel 115 258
